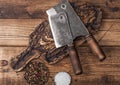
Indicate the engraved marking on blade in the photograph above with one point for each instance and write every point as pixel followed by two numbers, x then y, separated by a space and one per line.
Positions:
pixel 63 6
pixel 62 19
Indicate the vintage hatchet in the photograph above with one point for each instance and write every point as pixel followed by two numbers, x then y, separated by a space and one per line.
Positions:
pixel 66 26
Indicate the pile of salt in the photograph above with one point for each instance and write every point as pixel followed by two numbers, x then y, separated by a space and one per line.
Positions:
pixel 62 78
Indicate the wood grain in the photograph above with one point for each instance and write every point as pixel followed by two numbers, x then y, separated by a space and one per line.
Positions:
pixel 18 18
pixel 15 32
pixel 36 8
pixel 94 71
pixel 14 39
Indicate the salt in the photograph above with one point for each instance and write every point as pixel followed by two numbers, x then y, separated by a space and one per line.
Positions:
pixel 62 78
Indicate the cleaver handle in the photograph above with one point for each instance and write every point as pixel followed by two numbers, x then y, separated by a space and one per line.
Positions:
pixel 74 59
pixel 94 46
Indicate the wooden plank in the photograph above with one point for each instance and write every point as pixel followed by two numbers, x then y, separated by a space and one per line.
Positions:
pixel 24 8
pixel 15 32
pixel 95 72
pixel 83 80
pixel 36 9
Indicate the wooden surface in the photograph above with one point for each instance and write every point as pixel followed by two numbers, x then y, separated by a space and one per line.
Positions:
pixel 14 38
pixel 36 8
pixel 18 20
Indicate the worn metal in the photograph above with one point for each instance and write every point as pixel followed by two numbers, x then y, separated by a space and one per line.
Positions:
pixel 76 25
pixel 60 28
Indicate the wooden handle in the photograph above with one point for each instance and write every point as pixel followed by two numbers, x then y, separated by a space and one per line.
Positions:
pixel 74 60
pixel 95 47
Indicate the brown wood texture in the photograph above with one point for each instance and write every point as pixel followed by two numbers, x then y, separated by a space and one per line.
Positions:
pixel 15 32
pixel 19 18
pixel 36 8
pixel 14 38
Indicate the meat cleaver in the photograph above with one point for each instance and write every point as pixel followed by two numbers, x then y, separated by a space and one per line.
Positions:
pixel 66 26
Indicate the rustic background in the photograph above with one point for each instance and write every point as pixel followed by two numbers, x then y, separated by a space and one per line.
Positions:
pixel 18 18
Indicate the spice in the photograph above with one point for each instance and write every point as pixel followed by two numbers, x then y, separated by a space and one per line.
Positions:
pixel 36 73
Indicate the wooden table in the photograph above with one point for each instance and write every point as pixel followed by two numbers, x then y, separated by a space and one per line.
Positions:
pixel 18 20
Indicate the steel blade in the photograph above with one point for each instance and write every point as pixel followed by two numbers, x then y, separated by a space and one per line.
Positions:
pixel 60 28
pixel 76 25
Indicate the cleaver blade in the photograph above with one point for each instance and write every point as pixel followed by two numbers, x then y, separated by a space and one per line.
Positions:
pixel 76 25
pixel 60 28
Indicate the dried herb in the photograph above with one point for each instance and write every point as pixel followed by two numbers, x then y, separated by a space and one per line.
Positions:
pixel 36 73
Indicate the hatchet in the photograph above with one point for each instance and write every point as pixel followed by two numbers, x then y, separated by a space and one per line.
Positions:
pixel 66 26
